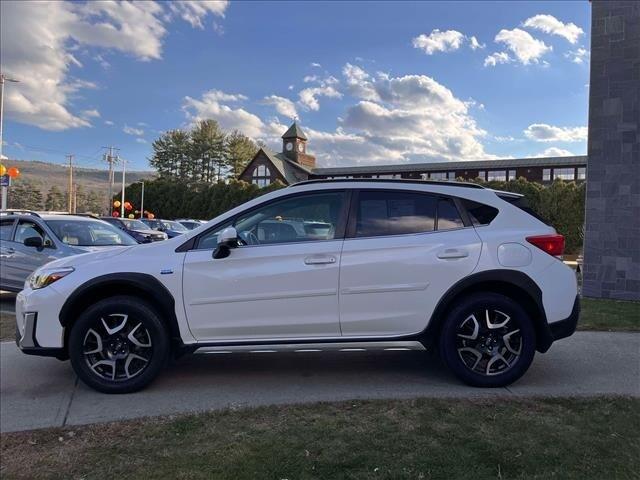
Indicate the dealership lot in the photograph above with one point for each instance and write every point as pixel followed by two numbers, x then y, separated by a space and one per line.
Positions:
pixel 44 392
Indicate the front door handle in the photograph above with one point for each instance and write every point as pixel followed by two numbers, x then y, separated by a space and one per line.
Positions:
pixel 452 253
pixel 319 260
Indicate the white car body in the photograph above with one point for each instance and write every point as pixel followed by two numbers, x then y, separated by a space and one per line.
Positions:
pixel 345 289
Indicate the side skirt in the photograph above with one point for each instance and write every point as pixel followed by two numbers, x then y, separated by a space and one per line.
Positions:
pixel 316 346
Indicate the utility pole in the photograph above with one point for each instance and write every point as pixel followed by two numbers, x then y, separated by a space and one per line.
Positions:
pixel 124 162
pixel 70 187
pixel 142 201
pixel 3 202
pixel 111 160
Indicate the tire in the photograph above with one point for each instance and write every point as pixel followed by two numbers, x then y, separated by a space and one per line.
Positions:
pixel 487 350
pixel 118 345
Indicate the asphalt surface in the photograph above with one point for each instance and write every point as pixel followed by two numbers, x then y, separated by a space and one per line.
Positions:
pixel 37 392
pixel 7 302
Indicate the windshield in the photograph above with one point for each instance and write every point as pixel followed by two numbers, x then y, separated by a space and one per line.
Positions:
pixel 175 226
pixel 89 233
pixel 134 224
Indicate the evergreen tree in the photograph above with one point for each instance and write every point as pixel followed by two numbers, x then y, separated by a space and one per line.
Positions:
pixel 208 151
pixel 240 149
pixel 56 200
pixel 25 194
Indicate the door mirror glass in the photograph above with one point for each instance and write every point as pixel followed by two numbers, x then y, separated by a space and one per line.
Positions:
pixel 35 242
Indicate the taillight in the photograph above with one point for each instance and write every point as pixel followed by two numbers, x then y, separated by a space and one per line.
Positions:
pixel 551 244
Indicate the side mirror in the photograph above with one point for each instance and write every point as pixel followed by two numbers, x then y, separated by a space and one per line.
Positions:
pixel 227 239
pixel 35 242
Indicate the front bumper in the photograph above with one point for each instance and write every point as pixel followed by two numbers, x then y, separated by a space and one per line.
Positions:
pixel 27 342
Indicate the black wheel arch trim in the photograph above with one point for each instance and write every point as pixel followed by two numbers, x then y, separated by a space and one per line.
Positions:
pixel 511 280
pixel 151 287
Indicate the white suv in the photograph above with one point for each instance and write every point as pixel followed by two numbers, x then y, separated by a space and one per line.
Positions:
pixel 370 263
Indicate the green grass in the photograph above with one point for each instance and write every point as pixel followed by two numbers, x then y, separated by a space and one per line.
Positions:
pixel 609 315
pixel 413 439
pixel 7 326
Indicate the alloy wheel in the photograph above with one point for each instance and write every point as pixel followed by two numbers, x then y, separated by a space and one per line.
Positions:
pixel 489 342
pixel 117 347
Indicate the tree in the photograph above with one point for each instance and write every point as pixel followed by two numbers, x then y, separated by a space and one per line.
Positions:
pixel 208 151
pixel 240 150
pixel 25 194
pixel 170 154
pixel 56 200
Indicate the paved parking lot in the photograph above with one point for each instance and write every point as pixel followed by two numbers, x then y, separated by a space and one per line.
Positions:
pixel 44 392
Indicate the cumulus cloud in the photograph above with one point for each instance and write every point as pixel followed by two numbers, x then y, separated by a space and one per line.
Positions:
pixel 525 48
pixel 141 140
pixel 137 132
pixel 40 41
pixel 555 152
pixel 447 41
pixel 325 87
pixel 578 56
pixel 496 58
pixel 109 123
pixel 283 106
pixel 541 132
pixel 194 11
pixel 93 113
pixel 551 25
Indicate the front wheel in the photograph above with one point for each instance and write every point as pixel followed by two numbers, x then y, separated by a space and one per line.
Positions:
pixel 488 340
pixel 118 345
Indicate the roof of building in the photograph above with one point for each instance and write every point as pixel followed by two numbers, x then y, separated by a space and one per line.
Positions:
pixel 290 170
pixel 294 132
pixel 504 163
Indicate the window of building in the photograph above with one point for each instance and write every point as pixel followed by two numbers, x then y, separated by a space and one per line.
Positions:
pixel 261 176
pixel 394 213
pixel 389 175
pixel 512 175
pixel 452 175
pixel 448 215
pixel 582 173
pixel 546 174
pixel 482 174
pixel 497 175
pixel 564 173
pixel 438 175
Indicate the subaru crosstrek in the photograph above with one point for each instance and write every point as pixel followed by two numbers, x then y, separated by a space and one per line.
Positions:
pixel 384 264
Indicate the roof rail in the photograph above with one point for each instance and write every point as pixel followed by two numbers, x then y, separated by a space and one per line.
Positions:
pixel 445 183
pixel 18 211
pixel 92 215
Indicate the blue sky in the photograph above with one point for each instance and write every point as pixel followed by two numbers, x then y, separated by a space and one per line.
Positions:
pixel 370 82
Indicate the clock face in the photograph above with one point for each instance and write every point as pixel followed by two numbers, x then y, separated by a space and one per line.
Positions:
pixel 289 146
pixel 301 147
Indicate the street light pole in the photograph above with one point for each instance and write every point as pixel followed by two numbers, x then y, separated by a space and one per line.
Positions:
pixel 142 201
pixel 124 162
pixel 3 203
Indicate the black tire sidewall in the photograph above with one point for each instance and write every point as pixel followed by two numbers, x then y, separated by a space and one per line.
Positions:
pixel 448 336
pixel 142 312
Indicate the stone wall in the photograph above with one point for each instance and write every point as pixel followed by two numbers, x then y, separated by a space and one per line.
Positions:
pixel 612 236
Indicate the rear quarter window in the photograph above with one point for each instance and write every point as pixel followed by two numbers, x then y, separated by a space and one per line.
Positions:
pixel 479 213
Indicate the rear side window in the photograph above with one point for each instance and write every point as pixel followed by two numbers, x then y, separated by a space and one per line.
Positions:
pixel 479 213
pixel 522 204
pixel 381 213
pixel 448 215
pixel 6 227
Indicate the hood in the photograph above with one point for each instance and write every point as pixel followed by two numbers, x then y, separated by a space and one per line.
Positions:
pixel 96 254
pixel 148 232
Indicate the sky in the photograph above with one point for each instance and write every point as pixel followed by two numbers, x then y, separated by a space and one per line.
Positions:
pixel 370 82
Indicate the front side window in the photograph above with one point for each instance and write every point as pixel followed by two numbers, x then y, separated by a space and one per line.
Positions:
pixel 261 176
pixel 6 227
pixel 27 229
pixel 381 213
pixel 89 233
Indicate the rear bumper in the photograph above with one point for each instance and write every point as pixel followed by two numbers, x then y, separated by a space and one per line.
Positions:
pixel 561 329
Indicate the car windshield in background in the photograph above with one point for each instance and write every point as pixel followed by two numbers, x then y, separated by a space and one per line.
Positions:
pixel 89 233
pixel 190 225
pixel 175 226
pixel 134 224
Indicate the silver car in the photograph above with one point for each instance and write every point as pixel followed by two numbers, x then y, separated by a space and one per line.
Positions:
pixel 28 240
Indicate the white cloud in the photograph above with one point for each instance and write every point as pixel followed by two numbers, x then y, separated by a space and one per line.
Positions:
pixel 496 58
pixel 310 78
pixel 506 138
pixel 551 25
pixel 526 48
pixel 555 152
pixel 109 123
pixel 316 65
pixel 542 132
pixel 90 113
pixel 438 41
pixel 283 106
pixel 325 88
pixel 474 44
pixel 579 55
pixel 141 140
pixel 40 41
pixel 138 132
pixel 194 11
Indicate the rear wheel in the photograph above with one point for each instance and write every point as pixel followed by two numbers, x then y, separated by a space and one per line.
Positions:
pixel 118 345
pixel 488 340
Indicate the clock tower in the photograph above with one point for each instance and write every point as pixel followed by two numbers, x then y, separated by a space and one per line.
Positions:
pixel 294 146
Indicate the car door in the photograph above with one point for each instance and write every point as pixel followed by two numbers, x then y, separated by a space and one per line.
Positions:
pixel 8 273
pixel 26 259
pixel 281 282
pixel 403 251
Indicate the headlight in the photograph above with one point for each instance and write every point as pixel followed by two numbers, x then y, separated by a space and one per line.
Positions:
pixel 46 276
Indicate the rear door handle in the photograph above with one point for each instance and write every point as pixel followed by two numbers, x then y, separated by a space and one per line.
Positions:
pixel 452 253
pixel 319 260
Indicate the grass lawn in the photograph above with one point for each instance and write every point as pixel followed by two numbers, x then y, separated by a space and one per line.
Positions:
pixel 7 326
pixel 601 314
pixel 417 439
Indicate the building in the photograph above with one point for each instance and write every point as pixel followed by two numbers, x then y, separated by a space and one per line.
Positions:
pixel 294 164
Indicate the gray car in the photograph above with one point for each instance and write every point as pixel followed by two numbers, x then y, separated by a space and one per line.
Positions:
pixel 28 240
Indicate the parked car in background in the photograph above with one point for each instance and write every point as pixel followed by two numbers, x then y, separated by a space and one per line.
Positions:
pixel 381 264
pixel 170 227
pixel 29 240
pixel 138 230
pixel 190 223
